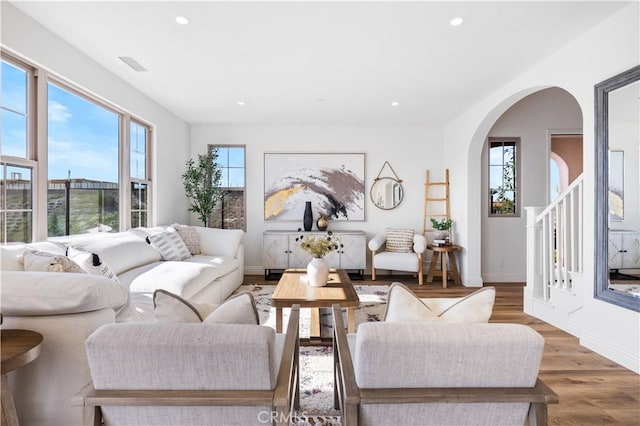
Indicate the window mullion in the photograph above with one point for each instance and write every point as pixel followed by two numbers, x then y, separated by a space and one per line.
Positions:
pixel 125 172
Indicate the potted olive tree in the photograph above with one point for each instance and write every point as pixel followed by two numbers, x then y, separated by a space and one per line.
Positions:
pixel 202 184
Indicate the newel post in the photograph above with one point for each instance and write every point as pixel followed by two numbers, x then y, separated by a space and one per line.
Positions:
pixel 534 258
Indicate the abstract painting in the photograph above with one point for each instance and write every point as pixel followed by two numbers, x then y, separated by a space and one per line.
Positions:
pixel 334 183
pixel 616 186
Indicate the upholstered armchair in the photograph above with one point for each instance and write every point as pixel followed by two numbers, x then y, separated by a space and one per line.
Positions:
pixel 434 373
pixel 398 250
pixel 192 374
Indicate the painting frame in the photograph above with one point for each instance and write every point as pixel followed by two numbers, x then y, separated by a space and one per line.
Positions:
pixel 334 183
pixel 616 186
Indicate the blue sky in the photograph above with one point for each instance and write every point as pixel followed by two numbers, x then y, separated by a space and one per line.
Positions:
pixel 83 137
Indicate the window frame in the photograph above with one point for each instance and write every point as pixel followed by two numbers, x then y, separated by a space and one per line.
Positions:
pixel 147 170
pixel 37 145
pixel 517 172
pixel 242 189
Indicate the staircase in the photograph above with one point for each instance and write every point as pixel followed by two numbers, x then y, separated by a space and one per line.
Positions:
pixel 554 260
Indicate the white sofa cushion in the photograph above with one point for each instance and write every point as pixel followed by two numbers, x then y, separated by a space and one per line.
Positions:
pixel 219 242
pixel 184 278
pixel 122 251
pixel 45 293
pixel 404 305
pixel 397 261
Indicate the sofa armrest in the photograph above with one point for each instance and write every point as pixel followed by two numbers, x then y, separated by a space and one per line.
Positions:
pixel 377 242
pixel 26 293
pixel 219 242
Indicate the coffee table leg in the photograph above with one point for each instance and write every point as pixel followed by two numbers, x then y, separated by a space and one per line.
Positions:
pixel 9 414
pixel 351 320
pixel 278 320
pixel 315 323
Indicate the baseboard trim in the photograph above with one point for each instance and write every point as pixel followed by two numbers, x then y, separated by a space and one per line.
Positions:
pixel 504 278
pixel 614 352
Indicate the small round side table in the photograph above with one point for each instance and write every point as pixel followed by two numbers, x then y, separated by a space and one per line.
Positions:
pixel 445 253
pixel 19 348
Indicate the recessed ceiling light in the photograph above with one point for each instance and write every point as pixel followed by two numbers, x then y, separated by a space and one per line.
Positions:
pixel 241 103
pixel 456 21
pixel 395 103
pixel 182 20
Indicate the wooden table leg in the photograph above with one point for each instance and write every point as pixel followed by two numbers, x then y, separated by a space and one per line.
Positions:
pixel 9 414
pixel 278 320
pixel 315 323
pixel 351 320
pixel 432 266
pixel 454 268
pixel 443 264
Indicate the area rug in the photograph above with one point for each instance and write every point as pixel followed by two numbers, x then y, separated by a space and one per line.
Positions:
pixel 316 362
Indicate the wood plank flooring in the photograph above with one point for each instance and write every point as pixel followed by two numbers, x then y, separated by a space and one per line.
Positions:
pixel 592 389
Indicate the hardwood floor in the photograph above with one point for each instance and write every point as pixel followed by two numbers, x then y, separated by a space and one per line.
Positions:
pixel 592 389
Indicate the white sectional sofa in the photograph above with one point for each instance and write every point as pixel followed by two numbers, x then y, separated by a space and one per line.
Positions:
pixel 67 307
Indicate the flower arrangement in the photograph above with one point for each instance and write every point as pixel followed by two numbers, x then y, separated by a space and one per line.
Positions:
pixel 442 225
pixel 319 246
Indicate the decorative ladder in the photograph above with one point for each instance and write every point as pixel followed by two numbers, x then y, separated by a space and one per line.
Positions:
pixel 431 197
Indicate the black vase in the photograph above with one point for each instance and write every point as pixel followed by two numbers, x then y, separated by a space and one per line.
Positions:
pixel 307 220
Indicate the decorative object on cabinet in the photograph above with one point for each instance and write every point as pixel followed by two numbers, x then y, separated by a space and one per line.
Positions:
pixel 281 251
pixel 307 220
pixel 616 186
pixel 322 223
pixel 333 182
pixel 386 192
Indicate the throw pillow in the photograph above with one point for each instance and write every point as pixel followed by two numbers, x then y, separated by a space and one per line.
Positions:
pixel 42 261
pixel 169 307
pixel 238 309
pixel 404 305
pixel 170 245
pixel 399 240
pixel 190 237
pixel 91 263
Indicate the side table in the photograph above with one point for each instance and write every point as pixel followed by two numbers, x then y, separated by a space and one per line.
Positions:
pixel 19 348
pixel 444 253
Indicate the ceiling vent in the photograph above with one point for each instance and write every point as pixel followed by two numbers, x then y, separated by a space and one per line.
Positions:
pixel 133 64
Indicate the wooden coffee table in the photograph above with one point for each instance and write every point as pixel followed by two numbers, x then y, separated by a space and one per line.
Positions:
pixel 293 289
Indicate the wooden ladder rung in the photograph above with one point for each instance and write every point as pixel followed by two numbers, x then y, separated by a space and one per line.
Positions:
pixel 437 199
pixel 437 183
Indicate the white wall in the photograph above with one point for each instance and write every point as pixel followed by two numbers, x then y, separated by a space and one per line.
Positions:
pixel 28 39
pixel 409 150
pixel 606 50
pixel 531 119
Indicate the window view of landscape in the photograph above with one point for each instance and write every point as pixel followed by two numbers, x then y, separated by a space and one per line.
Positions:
pixel 502 177
pixel 83 193
pixel 230 212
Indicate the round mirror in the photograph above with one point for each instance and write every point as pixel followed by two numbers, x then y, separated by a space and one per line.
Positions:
pixel 386 193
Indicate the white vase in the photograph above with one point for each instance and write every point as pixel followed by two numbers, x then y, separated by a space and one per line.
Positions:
pixel 318 272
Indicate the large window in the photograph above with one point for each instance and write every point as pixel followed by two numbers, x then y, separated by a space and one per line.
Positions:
pixel 96 176
pixel 230 212
pixel 83 141
pixel 504 176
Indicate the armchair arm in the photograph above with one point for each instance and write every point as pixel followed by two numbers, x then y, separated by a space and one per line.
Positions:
pixel 419 243
pixel 346 392
pixel 377 242
pixel 287 392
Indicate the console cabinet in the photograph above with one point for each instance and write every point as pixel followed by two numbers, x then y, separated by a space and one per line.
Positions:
pixel 281 251
pixel 624 249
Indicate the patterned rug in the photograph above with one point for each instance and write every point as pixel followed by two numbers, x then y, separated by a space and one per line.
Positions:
pixel 316 362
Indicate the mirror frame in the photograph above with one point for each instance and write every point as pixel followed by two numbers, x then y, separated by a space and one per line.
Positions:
pixel 376 181
pixel 601 178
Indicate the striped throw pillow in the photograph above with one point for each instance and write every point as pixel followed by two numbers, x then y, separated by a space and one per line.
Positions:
pixel 399 240
pixel 170 245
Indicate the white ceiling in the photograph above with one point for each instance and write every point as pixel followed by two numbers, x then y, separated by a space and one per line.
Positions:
pixel 319 62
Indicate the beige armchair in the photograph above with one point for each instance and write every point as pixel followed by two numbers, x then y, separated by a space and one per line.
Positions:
pixel 192 374
pixel 407 259
pixel 435 373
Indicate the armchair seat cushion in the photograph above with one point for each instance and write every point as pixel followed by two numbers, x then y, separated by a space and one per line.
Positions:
pixel 397 261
